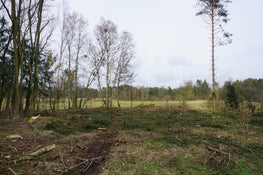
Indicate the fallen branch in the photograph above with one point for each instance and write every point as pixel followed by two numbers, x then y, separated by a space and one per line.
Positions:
pixel 24 158
pixel 13 148
pixel 215 150
pixel 42 150
pixel 12 171
pixel 36 153
pixel 36 147
pixel 15 136
pixel 86 168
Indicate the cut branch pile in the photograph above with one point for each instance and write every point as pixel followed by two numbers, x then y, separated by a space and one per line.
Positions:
pixel 84 165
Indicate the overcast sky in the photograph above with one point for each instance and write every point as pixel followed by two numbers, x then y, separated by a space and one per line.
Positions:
pixel 172 44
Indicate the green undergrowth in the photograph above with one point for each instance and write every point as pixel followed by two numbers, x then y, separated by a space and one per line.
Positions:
pixel 187 134
pixel 60 127
pixel 82 120
pixel 164 140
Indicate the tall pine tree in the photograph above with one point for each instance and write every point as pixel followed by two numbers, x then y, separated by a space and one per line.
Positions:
pixel 215 15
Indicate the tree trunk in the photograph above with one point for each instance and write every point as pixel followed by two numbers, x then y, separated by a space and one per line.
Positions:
pixel 7 107
pixel 21 80
pixel 213 59
pixel 2 86
pixel 37 40
pixel 100 89
pixel 108 86
pixel 16 41
pixel 131 97
pixel 28 97
pixel 118 92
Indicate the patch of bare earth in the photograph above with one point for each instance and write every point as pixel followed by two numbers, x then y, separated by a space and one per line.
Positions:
pixel 90 158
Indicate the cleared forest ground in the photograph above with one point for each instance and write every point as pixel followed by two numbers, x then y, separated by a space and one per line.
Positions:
pixel 142 140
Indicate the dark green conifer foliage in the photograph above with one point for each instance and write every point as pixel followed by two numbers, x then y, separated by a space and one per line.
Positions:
pixel 231 96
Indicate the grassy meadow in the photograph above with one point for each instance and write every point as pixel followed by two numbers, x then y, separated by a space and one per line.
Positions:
pixel 63 104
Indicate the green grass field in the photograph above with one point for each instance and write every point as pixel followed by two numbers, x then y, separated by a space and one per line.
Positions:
pixel 198 104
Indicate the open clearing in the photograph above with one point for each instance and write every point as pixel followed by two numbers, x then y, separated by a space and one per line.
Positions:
pixel 142 140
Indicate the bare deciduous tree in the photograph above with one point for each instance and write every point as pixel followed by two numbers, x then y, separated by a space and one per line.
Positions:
pixel 73 37
pixel 112 57
pixel 123 68
pixel 107 38
pixel 95 58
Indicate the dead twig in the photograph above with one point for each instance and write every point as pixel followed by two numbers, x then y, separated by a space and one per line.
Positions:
pixel 57 170
pixel 36 153
pixel 84 162
pixel 250 150
pixel 36 147
pixel 12 171
pixel 215 150
pixel 85 169
pixel 15 136
pixel 258 154
pixel 211 156
pixel 180 140
pixel 13 148
pixel 42 150
pixel 62 160
pixel 24 158
pixel 228 160
pixel 80 158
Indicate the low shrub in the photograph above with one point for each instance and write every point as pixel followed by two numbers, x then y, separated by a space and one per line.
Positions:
pixel 60 127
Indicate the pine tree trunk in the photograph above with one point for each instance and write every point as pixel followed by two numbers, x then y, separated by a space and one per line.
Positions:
pixel 213 60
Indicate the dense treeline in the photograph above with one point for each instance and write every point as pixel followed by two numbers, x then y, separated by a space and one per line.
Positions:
pixel 231 94
pixel 247 90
